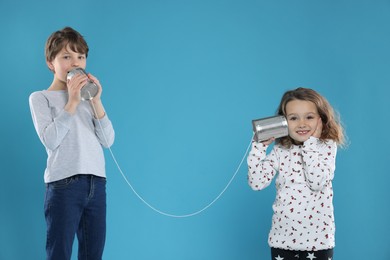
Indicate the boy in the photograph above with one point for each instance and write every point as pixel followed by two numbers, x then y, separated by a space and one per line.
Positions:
pixel 73 133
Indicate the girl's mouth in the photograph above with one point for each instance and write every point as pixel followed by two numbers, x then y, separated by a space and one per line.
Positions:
pixel 303 132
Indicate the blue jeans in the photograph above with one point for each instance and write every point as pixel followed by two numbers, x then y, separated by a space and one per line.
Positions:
pixel 76 205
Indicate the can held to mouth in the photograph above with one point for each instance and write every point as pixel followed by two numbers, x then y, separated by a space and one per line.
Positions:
pixel 266 128
pixel 89 90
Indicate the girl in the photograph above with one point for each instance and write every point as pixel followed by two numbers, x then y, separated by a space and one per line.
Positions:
pixel 73 134
pixel 303 221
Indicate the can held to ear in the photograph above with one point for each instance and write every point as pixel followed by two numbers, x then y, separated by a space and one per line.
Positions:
pixel 266 128
pixel 89 90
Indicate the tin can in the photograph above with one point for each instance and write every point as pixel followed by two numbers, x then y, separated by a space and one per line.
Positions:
pixel 89 90
pixel 266 128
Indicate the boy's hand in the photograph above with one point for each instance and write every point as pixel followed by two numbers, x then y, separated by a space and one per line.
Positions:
pixel 74 86
pixel 96 101
pixel 96 81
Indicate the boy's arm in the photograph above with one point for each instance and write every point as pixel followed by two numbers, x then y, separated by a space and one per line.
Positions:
pixel 99 111
pixel 103 127
pixel 104 131
pixel 51 131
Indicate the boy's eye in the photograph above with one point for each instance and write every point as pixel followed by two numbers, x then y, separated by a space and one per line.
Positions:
pixel 293 118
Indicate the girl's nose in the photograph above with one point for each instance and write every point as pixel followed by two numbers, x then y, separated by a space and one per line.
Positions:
pixel 302 123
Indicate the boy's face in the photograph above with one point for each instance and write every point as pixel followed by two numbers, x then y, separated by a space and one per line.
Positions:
pixel 302 117
pixel 65 61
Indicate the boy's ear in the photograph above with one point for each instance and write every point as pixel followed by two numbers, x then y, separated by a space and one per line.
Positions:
pixel 50 65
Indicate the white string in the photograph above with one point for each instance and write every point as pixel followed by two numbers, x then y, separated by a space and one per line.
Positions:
pixel 152 207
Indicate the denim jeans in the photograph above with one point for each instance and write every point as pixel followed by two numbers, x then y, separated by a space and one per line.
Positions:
pixel 76 205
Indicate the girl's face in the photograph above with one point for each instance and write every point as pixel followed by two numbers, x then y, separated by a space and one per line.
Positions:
pixel 65 61
pixel 302 118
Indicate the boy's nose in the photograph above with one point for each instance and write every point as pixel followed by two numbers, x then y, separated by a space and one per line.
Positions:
pixel 75 63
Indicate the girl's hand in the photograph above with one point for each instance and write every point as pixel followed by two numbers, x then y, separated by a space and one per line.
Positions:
pixel 269 141
pixel 317 133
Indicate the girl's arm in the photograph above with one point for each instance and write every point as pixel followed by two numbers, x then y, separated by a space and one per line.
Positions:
pixel 261 168
pixel 319 160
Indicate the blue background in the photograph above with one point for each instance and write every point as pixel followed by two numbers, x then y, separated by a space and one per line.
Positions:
pixel 182 81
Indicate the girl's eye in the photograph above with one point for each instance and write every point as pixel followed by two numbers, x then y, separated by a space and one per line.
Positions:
pixel 81 57
pixel 292 118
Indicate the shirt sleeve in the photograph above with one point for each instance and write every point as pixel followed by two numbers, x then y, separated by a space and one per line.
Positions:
pixel 319 160
pixel 51 131
pixel 104 131
pixel 261 168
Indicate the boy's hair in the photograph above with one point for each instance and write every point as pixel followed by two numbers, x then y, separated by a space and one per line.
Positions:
pixel 62 38
pixel 331 125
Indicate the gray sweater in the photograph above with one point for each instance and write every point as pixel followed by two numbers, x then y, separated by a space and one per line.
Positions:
pixel 73 142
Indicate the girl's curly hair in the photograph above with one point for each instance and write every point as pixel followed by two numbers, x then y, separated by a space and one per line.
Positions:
pixel 332 128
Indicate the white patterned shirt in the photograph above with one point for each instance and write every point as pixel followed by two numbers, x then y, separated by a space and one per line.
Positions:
pixel 303 216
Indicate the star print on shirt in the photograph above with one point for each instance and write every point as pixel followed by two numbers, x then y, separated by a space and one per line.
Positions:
pixel 279 258
pixel 311 256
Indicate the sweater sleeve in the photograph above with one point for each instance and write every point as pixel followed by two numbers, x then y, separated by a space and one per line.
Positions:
pixel 319 160
pixel 104 131
pixel 261 168
pixel 51 131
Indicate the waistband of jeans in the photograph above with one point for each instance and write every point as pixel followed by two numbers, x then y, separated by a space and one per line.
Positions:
pixel 87 176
